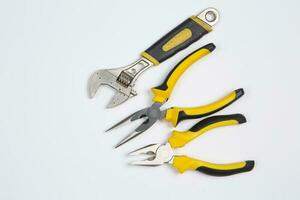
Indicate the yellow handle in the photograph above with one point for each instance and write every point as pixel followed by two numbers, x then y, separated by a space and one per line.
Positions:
pixel 177 114
pixel 184 163
pixel 179 139
pixel 163 92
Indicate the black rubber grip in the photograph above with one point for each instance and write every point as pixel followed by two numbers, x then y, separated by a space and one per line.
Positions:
pixel 157 51
pixel 164 85
pixel 215 119
pixel 215 172
pixel 183 116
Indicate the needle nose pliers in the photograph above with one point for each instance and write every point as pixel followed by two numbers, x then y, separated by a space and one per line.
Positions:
pixel 176 114
pixel 164 153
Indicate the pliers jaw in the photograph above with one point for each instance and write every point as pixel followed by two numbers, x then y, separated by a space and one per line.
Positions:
pixel 158 155
pixel 151 114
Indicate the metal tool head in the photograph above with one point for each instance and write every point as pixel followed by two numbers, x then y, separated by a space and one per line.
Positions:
pixel 139 130
pixel 110 77
pixel 158 154
pixel 121 79
pixel 152 114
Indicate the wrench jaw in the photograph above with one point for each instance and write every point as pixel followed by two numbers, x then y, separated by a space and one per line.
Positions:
pixel 122 79
pixel 109 77
pixel 117 99
pixel 95 81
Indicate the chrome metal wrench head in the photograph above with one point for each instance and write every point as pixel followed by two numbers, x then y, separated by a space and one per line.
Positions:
pixel 121 79
pixel 152 115
pixel 158 155
pixel 108 77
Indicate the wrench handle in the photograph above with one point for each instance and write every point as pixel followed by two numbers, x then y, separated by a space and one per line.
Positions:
pixel 178 39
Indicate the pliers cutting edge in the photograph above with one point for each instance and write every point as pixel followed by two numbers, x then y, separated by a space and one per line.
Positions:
pixel 176 114
pixel 164 153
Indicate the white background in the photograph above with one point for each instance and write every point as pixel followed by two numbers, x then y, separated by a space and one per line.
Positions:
pixel 52 145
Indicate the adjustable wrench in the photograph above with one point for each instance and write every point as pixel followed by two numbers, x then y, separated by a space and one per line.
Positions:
pixel 123 79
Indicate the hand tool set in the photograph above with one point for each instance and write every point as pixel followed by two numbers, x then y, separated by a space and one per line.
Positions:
pixel 123 80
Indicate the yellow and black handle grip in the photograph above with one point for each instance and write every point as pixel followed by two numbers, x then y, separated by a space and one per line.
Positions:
pixel 178 139
pixel 178 114
pixel 184 163
pixel 177 39
pixel 162 92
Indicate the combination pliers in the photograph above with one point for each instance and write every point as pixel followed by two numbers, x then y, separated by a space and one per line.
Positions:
pixel 164 153
pixel 176 114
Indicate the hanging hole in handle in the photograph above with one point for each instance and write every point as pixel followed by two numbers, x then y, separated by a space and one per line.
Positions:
pixel 210 16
